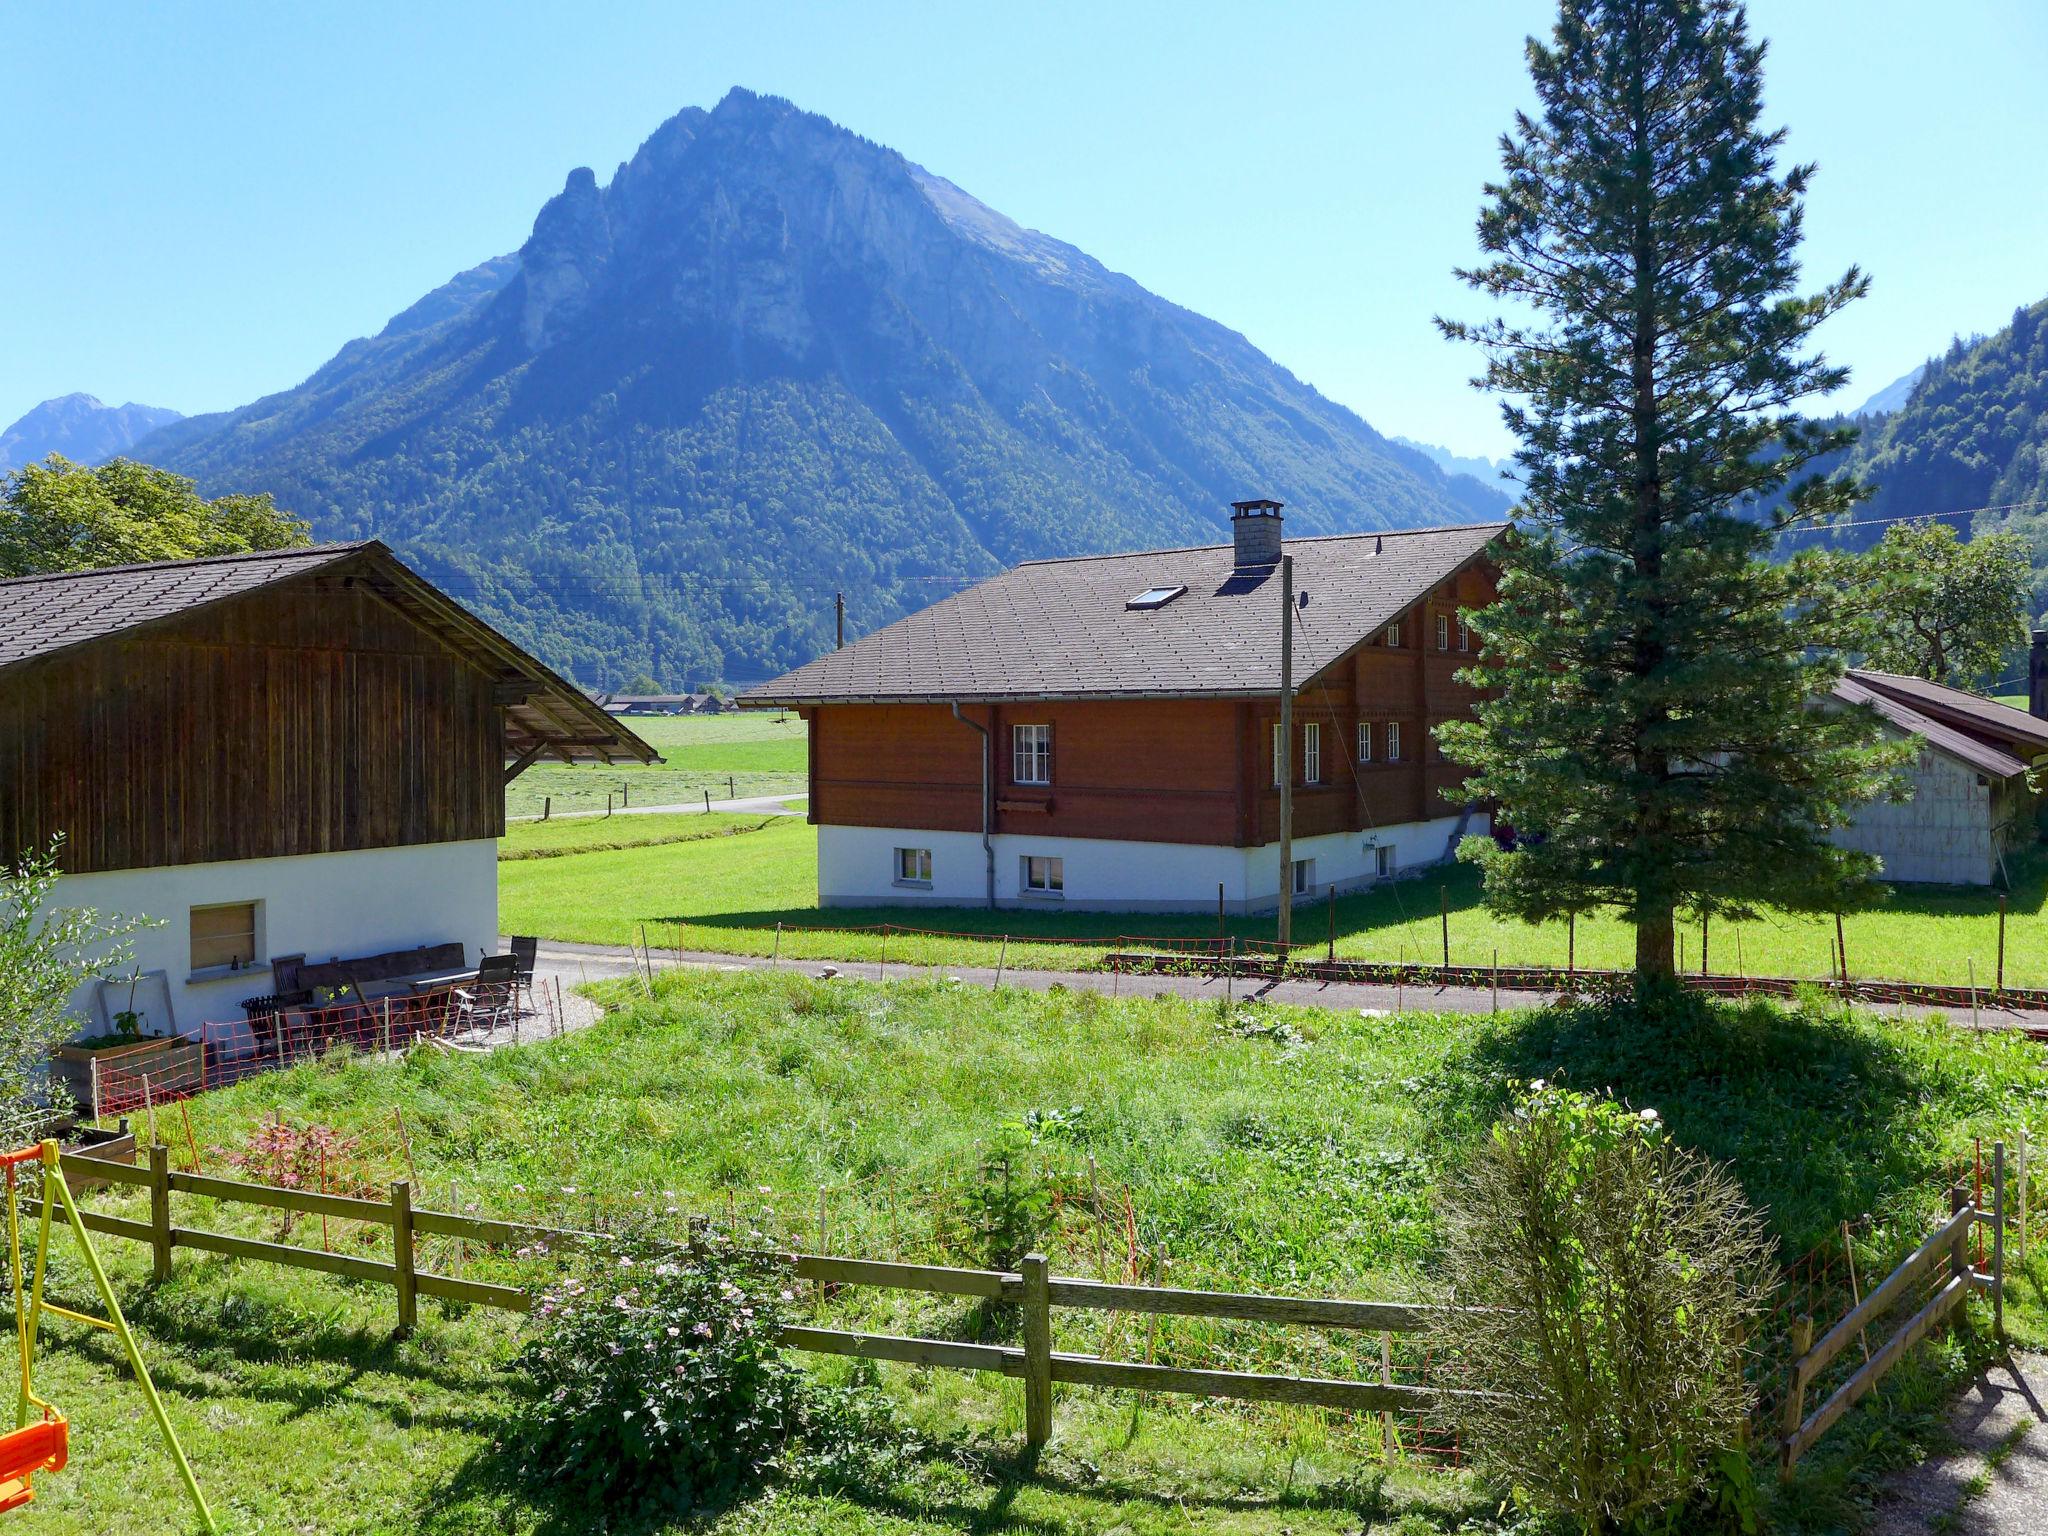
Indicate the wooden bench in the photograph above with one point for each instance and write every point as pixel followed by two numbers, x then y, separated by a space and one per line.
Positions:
pixel 397 965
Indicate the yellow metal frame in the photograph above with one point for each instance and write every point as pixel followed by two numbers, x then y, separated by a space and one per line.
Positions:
pixel 28 1320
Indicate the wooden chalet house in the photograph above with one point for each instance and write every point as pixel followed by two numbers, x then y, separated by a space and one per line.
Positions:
pixel 1103 732
pixel 301 751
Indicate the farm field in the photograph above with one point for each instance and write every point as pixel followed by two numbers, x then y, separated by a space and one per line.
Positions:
pixel 749 753
pixel 727 895
pixel 583 834
pixel 1257 1147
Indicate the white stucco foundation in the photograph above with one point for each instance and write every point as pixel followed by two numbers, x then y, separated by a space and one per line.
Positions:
pixel 325 906
pixel 857 865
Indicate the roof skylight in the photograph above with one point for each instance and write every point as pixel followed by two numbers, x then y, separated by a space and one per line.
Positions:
pixel 1156 597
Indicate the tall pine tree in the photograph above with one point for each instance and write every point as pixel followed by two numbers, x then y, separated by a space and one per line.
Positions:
pixel 1655 743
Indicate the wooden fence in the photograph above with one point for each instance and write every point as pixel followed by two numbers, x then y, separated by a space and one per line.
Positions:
pixel 1944 1257
pixel 1032 1288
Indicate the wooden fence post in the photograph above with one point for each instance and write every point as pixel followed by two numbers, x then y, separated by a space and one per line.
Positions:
pixel 2001 944
pixel 402 1255
pixel 547 806
pixel 160 1210
pixel 1571 946
pixel 1841 950
pixel 707 802
pixel 607 802
pixel 1037 1351
pixel 1795 1392
pixel 1998 1238
pixel 1333 923
pixel 1443 905
pixel 1387 1380
pixel 1959 1251
pixel 1219 913
pixel 2020 1174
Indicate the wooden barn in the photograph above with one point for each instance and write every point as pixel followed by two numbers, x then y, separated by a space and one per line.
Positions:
pixel 297 752
pixel 1103 732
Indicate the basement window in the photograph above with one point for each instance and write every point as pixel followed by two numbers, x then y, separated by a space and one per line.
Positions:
pixel 1043 876
pixel 1383 860
pixel 1155 597
pixel 224 937
pixel 914 866
pixel 1304 876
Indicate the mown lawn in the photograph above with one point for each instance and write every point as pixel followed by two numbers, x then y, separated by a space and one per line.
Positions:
pixel 1253 1147
pixel 751 753
pixel 583 834
pixel 729 895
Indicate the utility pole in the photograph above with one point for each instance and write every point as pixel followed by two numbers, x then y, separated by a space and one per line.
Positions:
pixel 839 619
pixel 1285 765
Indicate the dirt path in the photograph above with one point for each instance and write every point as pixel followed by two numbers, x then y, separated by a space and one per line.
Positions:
pixel 1996 1480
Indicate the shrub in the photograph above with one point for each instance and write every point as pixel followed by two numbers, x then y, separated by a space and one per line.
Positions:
pixel 1606 1279
pixel 1009 1204
pixel 654 1383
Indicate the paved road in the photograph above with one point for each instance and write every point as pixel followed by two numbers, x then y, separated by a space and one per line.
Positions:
pixel 1344 996
pixel 1999 1420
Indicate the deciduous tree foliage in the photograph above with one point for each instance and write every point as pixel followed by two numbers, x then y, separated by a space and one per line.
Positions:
pixel 1933 606
pixel 1654 741
pixel 61 516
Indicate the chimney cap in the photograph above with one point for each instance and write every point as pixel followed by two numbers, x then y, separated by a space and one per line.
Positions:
pixel 1259 507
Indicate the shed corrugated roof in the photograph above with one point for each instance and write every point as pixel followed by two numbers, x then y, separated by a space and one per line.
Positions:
pixel 1060 629
pixel 1968 711
pixel 1985 758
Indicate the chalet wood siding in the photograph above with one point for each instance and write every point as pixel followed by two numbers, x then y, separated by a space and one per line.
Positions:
pixel 311 718
pixel 1170 770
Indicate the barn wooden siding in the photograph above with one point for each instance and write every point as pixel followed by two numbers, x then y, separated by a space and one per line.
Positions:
pixel 306 718
pixel 1166 770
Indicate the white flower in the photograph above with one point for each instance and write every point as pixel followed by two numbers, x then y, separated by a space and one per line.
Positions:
pixel 1648 1117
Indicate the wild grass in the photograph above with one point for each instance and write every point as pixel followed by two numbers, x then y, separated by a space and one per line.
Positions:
pixel 728 897
pixel 753 753
pixel 1258 1147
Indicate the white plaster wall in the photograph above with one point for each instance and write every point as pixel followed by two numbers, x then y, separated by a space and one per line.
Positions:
pixel 324 905
pixel 856 868
pixel 1943 833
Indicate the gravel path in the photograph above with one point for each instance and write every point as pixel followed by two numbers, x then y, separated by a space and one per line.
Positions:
pixel 1996 1480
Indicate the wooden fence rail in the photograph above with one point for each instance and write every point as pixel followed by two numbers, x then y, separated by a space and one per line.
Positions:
pixel 1032 1288
pixel 1949 1245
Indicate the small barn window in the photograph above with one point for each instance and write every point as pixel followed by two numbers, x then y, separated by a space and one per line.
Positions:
pixel 1279 755
pixel 1443 632
pixel 1031 754
pixel 1044 876
pixel 1365 741
pixel 224 936
pixel 1394 633
pixel 1464 634
pixel 913 866
pixel 1311 753
pixel 1393 741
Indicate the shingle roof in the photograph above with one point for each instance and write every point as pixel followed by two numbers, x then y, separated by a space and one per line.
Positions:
pixel 1968 711
pixel 1053 629
pixel 1985 758
pixel 40 615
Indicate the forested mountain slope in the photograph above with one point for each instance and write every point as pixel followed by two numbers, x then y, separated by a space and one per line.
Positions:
pixel 771 360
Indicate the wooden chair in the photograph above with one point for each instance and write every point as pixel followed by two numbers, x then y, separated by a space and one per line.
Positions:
pixel 492 999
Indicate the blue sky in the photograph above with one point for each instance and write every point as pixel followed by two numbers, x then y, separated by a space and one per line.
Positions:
pixel 203 201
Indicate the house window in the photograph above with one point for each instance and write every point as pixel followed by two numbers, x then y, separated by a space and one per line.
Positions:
pixel 1394 633
pixel 1383 860
pixel 1304 876
pixel 1393 741
pixel 913 866
pixel 224 936
pixel 1365 741
pixel 1464 634
pixel 1044 877
pixel 1279 753
pixel 1443 632
pixel 1311 753
pixel 1031 754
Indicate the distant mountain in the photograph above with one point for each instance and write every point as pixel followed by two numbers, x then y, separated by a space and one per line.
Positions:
pixel 1893 395
pixel 1486 471
pixel 80 428
pixel 771 360
pixel 1970 439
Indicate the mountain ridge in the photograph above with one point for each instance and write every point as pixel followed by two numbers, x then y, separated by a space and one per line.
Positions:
pixel 78 426
pixel 770 360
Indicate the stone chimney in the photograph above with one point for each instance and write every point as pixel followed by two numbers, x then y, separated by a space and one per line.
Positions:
pixel 1255 531
pixel 2037 676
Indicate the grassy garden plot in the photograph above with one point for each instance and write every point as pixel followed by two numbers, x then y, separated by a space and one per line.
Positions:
pixel 1255 1148
pixel 751 753
pixel 728 896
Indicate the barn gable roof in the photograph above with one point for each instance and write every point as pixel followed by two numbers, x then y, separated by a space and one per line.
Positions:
pixel 1857 687
pixel 545 715
pixel 1069 629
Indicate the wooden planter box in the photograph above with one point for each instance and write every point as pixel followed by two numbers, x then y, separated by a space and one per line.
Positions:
pixel 115 1146
pixel 170 1057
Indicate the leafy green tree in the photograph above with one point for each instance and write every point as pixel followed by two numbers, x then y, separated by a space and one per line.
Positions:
pixel 1652 739
pixel 61 516
pixel 46 954
pixel 1932 605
